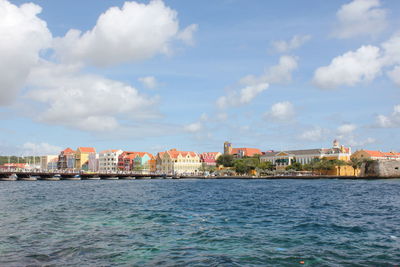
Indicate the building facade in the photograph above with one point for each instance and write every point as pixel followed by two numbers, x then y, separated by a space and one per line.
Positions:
pixel 49 162
pixel 108 160
pixel 178 162
pixel 66 159
pixel 240 152
pixel 85 158
pixel 375 155
pixel 282 159
pixel 209 158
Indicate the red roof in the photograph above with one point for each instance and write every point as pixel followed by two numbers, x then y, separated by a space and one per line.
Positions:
pixel 247 151
pixel 87 149
pixel 68 151
pixel 380 154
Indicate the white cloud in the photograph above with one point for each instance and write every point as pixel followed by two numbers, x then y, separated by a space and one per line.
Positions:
pixel 253 86
pixel 286 46
pixel 281 112
pixel 346 129
pixel 187 34
pixel 360 17
pixel 363 65
pixel 132 33
pixel 22 36
pixel 315 134
pixel 394 75
pixel 85 102
pixel 346 134
pixel 194 127
pixel 149 82
pixel 39 149
pixel 351 68
pixel 390 121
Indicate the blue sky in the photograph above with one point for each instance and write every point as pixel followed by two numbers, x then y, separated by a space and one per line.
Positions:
pixel 154 75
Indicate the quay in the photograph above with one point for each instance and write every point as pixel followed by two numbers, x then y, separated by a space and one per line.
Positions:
pixel 53 176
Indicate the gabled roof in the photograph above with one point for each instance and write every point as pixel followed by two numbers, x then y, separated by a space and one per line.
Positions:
pixel 68 151
pixel 247 151
pixel 173 153
pixel 87 149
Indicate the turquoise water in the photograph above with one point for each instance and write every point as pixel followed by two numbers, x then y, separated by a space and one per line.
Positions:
pixel 200 223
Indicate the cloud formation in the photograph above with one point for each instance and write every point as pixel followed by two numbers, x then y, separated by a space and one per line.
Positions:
pixel 390 121
pixel 149 82
pixel 22 36
pixel 315 134
pixel 282 46
pixel 281 112
pixel 360 17
pixel 39 149
pixel 253 86
pixel 362 65
pixel 83 101
pixel 129 34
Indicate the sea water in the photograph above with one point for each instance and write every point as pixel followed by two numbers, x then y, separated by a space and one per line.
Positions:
pixel 200 223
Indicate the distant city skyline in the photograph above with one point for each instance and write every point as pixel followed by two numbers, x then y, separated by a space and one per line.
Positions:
pixel 155 75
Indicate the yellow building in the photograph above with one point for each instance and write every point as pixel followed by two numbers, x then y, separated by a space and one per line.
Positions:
pixel 84 158
pixel 178 162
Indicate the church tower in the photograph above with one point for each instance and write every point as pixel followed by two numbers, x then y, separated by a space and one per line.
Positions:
pixel 227 148
pixel 335 143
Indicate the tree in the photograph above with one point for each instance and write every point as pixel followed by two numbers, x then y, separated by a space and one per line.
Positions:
pixel 265 166
pixel 240 166
pixel 296 166
pixel 225 160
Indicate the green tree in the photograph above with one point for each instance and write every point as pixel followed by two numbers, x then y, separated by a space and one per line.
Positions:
pixel 241 166
pixel 296 166
pixel 265 166
pixel 225 160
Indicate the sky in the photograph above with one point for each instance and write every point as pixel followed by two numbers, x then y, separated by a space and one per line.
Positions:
pixel 155 75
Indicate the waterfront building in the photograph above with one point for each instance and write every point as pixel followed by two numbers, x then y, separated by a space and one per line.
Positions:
pixel 375 155
pixel 209 158
pixel 143 162
pixel 282 159
pixel 52 164
pixel 108 160
pixel 240 152
pixel 178 162
pixel 82 156
pixel 49 162
pixel 93 162
pixel 66 159
pixel 15 166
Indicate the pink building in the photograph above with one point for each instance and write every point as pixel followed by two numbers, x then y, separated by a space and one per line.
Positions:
pixel 209 158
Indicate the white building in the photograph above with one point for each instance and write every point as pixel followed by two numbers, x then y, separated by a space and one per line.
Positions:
pixel 47 162
pixel 108 160
pixel 282 159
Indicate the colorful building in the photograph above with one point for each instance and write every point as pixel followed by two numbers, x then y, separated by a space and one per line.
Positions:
pixel 240 152
pixel 108 160
pixel 143 162
pixel 85 158
pixel 375 155
pixel 66 159
pixel 209 158
pixel 282 159
pixel 178 162
pixel 49 162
